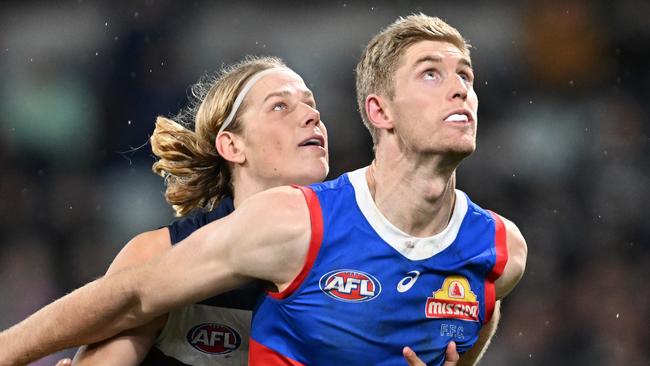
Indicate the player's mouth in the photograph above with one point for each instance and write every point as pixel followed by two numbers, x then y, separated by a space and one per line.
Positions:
pixel 313 141
pixel 459 117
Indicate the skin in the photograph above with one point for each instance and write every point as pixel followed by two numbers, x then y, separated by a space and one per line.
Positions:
pixel 411 180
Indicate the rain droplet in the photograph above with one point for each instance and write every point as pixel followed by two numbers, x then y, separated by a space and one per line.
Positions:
pixel 116 38
pixel 31 60
pixel 345 5
pixel 70 207
pixel 571 82
pixel 150 70
pixel 136 14
pixel 105 24
pixel 530 101
pixel 617 315
pixel 96 53
pixel 486 83
pixel 128 122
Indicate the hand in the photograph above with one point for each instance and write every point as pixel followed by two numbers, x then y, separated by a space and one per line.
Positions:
pixel 451 356
pixel 68 362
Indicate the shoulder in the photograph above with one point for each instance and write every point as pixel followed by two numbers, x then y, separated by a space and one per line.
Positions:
pixel 272 231
pixel 141 248
pixel 281 205
pixel 516 263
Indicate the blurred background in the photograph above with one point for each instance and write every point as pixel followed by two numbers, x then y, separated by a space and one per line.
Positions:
pixel 563 144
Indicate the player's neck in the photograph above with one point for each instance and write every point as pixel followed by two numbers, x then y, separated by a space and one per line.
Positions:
pixel 416 196
pixel 245 186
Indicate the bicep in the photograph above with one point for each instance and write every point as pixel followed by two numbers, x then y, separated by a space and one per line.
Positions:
pixel 267 238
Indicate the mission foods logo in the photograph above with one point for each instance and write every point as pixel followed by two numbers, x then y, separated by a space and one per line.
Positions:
pixel 350 285
pixel 454 300
pixel 215 339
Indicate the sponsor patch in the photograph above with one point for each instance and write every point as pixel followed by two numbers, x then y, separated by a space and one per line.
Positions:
pixel 213 338
pixel 350 285
pixel 454 300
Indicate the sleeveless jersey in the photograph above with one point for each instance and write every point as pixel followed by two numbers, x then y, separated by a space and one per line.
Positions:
pixel 367 289
pixel 214 331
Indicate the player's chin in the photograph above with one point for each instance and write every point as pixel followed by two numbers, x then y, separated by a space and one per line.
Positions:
pixel 460 150
pixel 314 172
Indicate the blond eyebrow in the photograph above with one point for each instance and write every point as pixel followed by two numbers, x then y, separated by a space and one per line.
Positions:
pixel 437 59
pixel 284 93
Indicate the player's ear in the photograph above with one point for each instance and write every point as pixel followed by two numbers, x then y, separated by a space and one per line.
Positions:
pixel 230 147
pixel 378 112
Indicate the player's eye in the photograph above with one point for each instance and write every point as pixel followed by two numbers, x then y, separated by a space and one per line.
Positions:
pixel 430 74
pixel 280 106
pixel 466 76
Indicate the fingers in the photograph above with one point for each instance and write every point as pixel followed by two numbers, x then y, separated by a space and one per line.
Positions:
pixel 411 358
pixel 451 355
pixel 64 362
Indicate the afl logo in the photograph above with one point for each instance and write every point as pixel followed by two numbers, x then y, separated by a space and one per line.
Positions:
pixel 214 339
pixel 350 285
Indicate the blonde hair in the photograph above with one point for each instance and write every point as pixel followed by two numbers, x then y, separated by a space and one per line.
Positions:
pixel 196 176
pixel 376 68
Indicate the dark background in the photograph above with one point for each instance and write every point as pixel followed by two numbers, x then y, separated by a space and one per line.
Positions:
pixel 563 142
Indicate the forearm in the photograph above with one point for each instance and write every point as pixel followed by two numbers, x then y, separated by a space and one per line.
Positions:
pixel 91 313
pixel 474 355
pixel 129 348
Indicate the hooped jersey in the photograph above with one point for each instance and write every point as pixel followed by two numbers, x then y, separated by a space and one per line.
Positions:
pixel 214 331
pixel 368 289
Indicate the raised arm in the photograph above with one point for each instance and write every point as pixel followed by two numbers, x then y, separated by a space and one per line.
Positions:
pixel 131 346
pixel 267 237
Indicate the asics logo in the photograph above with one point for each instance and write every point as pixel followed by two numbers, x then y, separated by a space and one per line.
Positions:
pixel 407 282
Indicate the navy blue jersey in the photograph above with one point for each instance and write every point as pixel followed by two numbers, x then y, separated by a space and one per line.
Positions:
pixel 214 331
pixel 368 289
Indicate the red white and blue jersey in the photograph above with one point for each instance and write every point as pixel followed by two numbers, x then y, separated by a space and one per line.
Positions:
pixel 368 289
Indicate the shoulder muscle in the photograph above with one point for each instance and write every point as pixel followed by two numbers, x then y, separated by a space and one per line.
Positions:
pixel 141 248
pixel 516 264
pixel 274 227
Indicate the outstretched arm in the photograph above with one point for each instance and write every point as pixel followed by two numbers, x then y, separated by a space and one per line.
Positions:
pixel 216 258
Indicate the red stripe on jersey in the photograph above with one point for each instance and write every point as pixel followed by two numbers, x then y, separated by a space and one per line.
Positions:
pixel 500 263
pixel 261 355
pixel 316 216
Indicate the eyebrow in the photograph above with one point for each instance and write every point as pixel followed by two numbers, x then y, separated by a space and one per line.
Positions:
pixel 437 59
pixel 285 93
